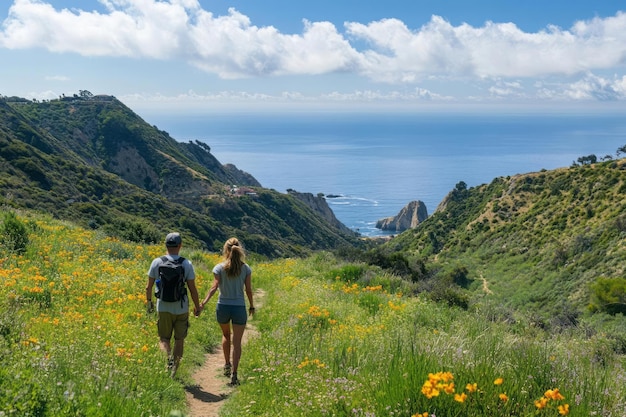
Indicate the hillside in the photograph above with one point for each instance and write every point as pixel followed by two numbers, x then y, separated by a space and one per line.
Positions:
pixel 93 160
pixel 537 242
pixel 542 242
pixel 76 340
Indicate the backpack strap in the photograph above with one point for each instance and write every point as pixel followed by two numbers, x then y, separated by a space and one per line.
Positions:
pixel 180 261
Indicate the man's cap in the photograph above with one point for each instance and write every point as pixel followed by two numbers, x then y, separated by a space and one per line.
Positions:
pixel 173 240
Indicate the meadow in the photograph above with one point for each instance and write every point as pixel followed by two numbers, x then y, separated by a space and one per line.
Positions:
pixel 335 339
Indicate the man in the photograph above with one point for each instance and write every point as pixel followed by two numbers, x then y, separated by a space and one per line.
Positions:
pixel 173 316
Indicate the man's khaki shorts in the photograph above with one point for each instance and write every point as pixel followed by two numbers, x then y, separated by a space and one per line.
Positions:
pixel 173 323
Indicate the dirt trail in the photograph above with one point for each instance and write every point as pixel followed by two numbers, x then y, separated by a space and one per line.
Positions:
pixel 210 389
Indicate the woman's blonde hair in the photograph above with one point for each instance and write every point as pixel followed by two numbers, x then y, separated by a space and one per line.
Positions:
pixel 234 257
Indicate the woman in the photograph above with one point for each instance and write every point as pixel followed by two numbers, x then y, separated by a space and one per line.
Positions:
pixel 232 276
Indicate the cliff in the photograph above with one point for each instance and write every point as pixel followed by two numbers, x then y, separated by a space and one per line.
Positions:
pixel 319 205
pixel 92 160
pixel 408 218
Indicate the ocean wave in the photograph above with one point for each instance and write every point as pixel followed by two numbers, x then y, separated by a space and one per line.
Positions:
pixel 347 199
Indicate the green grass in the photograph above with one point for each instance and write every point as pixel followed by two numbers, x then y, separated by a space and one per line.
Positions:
pixel 74 336
pixel 335 339
pixel 323 350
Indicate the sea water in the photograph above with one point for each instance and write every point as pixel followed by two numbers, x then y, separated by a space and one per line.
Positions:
pixel 370 165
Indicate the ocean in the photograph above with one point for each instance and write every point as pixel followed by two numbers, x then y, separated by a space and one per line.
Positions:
pixel 376 163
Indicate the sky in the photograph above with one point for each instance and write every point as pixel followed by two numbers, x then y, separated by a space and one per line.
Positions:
pixel 194 55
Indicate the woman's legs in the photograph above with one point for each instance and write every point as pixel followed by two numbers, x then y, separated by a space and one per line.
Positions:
pixel 226 342
pixel 226 315
pixel 238 330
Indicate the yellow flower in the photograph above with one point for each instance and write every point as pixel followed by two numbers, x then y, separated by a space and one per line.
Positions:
pixel 541 403
pixel 563 409
pixel 554 394
pixel 471 387
pixel 503 397
pixel 460 397
pixel 449 388
pixel 430 390
pixel 498 381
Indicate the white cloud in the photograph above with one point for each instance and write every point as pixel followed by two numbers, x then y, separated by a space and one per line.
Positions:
pixel 592 87
pixel 417 94
pixel 232 47
pixel 507 89
pixel 57 78
pixel 495 50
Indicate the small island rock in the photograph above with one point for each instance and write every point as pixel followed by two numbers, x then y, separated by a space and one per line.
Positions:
pixel 408 218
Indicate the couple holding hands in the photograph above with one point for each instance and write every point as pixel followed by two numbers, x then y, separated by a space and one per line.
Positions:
pixel 232 277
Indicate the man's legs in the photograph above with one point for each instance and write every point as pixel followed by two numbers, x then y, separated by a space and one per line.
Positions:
pixel 165 346
pixel 181 326
pixel 165 327
pixel 178 350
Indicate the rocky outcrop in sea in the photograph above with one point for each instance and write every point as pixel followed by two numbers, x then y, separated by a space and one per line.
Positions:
pixel 408 218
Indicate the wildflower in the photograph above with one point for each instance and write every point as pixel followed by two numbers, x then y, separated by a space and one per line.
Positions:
pixel 437 382
pixel 554 394
pixel 503 397
pixel 304 363
pixel 430 390
pixel 471 387
pixel 563 409
pixel 498 381
pixel 449 388
pixel 541 403
pixel 460 397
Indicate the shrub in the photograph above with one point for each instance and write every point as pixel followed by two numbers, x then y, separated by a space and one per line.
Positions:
pixel 348 273
pixel 609 295
pixel 14 233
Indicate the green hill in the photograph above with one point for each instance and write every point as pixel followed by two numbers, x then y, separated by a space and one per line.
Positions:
pixel 92 160
pixel 513 290
pixel 540 242
pixel 550 243
pixel 340 339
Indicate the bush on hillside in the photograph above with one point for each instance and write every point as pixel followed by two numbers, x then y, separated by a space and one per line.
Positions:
pixel 347 273
pixel 134 231
pixel 609 295
pixel 13 233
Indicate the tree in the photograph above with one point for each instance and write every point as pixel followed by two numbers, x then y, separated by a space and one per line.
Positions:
pixel 589 159
pixel 85 94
